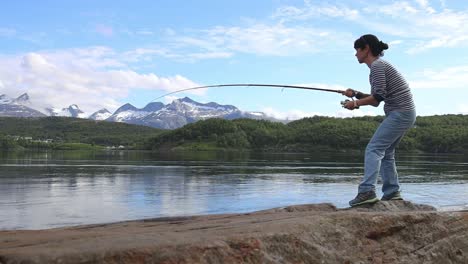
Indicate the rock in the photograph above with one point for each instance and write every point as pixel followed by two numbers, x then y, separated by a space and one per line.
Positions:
pixel 387 232
pixel 324 207
pixel 392 206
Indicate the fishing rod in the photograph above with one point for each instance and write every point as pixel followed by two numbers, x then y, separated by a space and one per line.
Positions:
pixel 257 85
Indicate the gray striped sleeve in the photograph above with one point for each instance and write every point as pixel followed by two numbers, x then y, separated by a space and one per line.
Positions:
pixel 378 81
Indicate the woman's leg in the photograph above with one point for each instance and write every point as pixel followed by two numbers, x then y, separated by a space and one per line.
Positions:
pixel 385 139
pixel 390 183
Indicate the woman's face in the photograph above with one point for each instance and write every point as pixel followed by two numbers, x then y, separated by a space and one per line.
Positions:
pixel 361 54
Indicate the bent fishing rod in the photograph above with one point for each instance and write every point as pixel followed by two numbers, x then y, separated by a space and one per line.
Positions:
pixel 257 85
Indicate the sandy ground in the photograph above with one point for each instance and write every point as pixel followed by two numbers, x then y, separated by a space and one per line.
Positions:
pixel 387 232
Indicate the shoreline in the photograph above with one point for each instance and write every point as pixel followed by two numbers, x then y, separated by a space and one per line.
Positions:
pixel 448 209
pixel 387 232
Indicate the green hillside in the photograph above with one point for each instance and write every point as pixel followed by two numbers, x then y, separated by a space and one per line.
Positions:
pixel 448 133
pixel 435 134
pixel 61 132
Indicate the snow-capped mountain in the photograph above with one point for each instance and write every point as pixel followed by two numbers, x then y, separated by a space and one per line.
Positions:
pixel 178 113
pixel 128 113
pixel 23 99
pixel 155 114
pixel 4 99
pixel 23 107
pixel 102 114
pixel 71 111
pixel 183 111
pixel 18 107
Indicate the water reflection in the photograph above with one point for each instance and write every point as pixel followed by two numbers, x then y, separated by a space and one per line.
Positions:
pixel 44 190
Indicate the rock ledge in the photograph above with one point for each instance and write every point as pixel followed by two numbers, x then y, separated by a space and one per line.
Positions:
pixel 387 232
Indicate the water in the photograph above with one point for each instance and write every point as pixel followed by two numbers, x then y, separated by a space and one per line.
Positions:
pixel 56 189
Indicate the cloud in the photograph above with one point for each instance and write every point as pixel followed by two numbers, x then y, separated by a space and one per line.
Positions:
pixel 221 42
pixel 344 113
pixel 312 12
pixel 144 54
pixel 420 24
pixel 295 114
pixel 303 29
pixel 263 40
pixel 91 78
pixel 462 109
pixel 148 54
pixel 455 77
pixel 169 99
pixel 209 55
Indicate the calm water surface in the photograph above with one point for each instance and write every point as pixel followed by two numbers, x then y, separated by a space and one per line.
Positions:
pixel 55 189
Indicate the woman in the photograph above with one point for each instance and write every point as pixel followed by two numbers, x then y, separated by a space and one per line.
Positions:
pixel 389 86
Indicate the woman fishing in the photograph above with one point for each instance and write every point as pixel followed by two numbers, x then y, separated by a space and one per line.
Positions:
pixel 389 86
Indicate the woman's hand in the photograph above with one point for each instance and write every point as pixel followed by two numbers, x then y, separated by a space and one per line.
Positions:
pixel 351 105
pixel 349 93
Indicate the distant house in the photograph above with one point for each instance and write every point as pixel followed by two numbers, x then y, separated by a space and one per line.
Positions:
pixel 48 141
pixel 114 147
pixel 21 138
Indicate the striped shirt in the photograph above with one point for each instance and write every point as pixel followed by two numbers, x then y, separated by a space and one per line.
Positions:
pixel 388 85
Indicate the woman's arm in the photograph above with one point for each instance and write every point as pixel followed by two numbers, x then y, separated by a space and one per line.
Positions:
pixel 363 99
pixel 368 100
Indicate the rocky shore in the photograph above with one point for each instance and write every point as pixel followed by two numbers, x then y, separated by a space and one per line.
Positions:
pixel 387 232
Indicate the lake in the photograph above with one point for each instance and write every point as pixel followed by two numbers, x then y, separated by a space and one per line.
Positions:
pixel 40 190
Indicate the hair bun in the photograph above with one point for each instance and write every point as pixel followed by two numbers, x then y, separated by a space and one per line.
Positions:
pixel 383 45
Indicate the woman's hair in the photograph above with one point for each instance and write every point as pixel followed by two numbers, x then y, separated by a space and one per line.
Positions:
pixel 376 46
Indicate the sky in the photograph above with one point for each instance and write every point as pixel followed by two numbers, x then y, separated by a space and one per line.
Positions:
pixel 103 54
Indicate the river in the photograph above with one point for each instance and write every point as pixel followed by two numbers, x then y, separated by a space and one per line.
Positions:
pixel 40 190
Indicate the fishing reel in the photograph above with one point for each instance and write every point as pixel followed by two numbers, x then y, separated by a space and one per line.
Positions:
pixel 343 103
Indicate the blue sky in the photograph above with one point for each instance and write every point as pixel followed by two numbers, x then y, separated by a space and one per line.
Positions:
pixel 106 53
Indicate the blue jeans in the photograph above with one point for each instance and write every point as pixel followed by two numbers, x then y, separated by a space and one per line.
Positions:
pixel 380 152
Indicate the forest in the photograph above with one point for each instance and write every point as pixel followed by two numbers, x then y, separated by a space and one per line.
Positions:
pixel 434 134
pixel 70 133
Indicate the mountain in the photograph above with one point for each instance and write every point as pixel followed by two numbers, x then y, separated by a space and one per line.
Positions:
pixel 17 107
pixel 102 114
pixel 23 107
pixel 23 99
pixel 4 99
pixel 153 107
pixel 155 114
pixel 184 111
pixel 128 113
pixel 176 114
pixel 71 111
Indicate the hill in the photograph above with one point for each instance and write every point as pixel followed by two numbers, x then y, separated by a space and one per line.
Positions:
pixel 44 132
pixel 437 134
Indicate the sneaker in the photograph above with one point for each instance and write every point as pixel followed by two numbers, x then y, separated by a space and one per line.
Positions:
pixel 393 196
pixel 364 198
